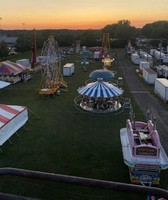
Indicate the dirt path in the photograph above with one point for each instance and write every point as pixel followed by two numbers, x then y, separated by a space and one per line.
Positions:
pixel 144 99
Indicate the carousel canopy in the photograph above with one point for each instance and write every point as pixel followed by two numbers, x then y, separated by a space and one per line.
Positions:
pixel 106 75
pixel 8 67
pixel 100 89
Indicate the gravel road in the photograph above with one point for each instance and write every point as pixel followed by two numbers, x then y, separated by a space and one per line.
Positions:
pixel 144 98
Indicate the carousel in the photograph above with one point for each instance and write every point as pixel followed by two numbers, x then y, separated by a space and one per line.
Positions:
pixel 99 97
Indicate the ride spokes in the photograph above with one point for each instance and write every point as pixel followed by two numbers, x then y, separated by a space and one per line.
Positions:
pixel 52 80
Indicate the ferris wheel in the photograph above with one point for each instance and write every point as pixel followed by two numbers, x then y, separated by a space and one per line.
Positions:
pixel 50 51
pixel 51 68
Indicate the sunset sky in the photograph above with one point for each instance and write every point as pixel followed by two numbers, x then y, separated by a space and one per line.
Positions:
pixel 79 14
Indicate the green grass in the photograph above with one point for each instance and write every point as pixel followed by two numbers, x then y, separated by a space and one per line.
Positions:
pixel 64 141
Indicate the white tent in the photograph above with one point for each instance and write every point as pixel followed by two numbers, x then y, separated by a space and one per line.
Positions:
pixel 4 84
pixel 12 118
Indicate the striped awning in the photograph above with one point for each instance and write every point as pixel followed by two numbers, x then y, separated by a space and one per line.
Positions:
pixel 8 67
pixel 8 112
pixel 12 117
pixel 100 89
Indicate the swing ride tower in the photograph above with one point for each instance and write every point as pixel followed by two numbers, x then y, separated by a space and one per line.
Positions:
pixel 106 52
pixel 106 45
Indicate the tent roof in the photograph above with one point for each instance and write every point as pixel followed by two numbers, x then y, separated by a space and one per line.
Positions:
pixel 100 89
pixel 8 112
pixel 8 67
pixel 8 40
pixel 106 75
pixel 4 84
pixel 12 118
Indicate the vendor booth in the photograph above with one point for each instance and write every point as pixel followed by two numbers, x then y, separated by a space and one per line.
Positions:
pixel 13 72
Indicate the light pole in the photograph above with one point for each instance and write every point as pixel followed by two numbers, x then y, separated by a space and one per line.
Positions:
pixel 23 34
pixel 0 23
pixel 23 25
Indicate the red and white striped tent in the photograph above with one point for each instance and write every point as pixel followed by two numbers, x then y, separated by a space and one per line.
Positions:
pixel 12 118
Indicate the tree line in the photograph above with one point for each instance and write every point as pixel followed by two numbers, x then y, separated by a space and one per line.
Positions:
pixel 119 32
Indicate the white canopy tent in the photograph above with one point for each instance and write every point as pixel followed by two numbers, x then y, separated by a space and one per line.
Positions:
pixel 4 84
pixel 12 118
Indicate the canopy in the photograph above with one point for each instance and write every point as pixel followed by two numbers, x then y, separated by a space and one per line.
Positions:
pixel 8 67
pixel 106 75
pixel 12 118
pixel 85 54
pixel 4 84
pixel 100 89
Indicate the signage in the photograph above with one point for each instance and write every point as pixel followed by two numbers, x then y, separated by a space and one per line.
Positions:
pixel 146 151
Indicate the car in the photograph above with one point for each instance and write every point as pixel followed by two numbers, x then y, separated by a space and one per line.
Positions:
pixel 12 53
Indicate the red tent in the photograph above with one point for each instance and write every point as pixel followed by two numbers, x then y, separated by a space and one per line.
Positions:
pixel 8 67
pixel 12 118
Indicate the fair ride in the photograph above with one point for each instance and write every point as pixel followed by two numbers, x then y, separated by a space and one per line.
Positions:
pixel 85 56
pixel 101 97
pixel 104 74
pixel 142 150
pixel 106 51
pixel 52 80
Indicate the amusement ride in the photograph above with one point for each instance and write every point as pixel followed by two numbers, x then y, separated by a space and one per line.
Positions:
pixel 52 80
pixel 106 52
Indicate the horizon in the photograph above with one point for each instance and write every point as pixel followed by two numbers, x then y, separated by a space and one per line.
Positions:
pixel 78 14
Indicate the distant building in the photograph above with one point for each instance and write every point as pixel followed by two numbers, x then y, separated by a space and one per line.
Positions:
pixel 10 41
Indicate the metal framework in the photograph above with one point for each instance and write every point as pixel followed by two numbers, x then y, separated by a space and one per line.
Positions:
pixel 52 78
pixel 106 44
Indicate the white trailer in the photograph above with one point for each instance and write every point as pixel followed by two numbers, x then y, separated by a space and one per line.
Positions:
pixel 152 52
pixel 162 70
pixel 43 60
pixel 84 48
pixel 144 65
pixel 165 59
pixel 24 62
pixel 149 76
pixel 146 57
pixel 135 58
pixel 96 55
pixel 161 88
pixel 68 69
pixel 159 55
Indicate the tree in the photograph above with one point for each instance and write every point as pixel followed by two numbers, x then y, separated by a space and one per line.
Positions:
pixel 3 49
pixel 158 29
pixel 89 37
pixel 24 42
pixel 121 31
pixel 124 30
pixel 111 29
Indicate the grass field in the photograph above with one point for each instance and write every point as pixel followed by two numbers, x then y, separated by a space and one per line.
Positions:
pixel 65 141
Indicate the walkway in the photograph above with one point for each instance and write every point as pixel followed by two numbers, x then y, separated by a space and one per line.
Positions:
pixel 144 99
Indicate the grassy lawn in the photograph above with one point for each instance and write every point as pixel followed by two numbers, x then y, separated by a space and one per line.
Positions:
pixel 64 141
